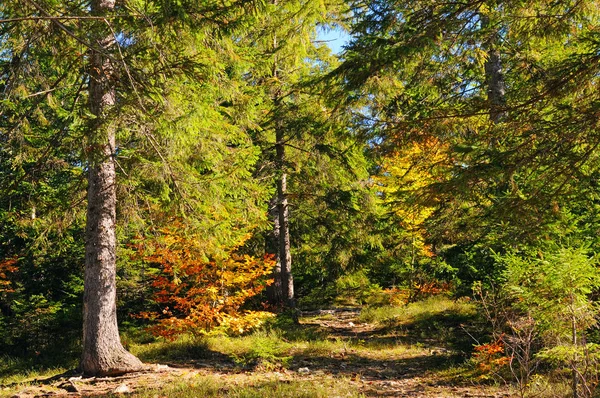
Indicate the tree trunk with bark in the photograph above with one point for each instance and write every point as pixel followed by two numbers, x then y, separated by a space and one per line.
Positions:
pixel 275 290
pixel 285 255
pixel 494 76
pixel 284 279
pixel 103 353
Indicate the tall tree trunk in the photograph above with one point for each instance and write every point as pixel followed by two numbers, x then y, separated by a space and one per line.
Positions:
pixel 275 290
pixel 285 256
pixel 103 353
pixel 494 76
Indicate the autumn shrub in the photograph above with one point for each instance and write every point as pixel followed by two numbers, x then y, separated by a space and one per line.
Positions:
pixel 242 322
pixel 7 291
pixel 490 360
pixel 195 294
pixel 8 267
pixel 430 287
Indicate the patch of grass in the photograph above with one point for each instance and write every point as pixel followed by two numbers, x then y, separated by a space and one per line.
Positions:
pixel 24 376
pixel 11 365
pixel 460 373
pixel 266 349
pixel 436 321
pixel 547 386
pixel 284 325
pixel 377 350
pixel 183 349
pixel 21 369
pixel 380 315
pixel 16 374
pixel 24 362
pixel 417 311
pixel 322 348
pixel 408 342
pixel 256 387
pixel 136 335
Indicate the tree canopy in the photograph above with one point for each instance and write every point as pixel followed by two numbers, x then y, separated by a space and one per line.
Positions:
pixel 186 165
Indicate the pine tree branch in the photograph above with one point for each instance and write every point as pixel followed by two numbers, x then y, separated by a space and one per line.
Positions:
pixel 62 27
pixel 49 17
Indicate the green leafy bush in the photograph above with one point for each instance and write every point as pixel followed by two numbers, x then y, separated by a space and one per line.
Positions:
pixel 542 311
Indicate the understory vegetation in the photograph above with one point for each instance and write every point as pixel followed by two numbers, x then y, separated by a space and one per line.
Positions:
pixel 438 345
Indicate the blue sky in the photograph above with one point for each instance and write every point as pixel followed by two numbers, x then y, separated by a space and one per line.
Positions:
pixel 334 38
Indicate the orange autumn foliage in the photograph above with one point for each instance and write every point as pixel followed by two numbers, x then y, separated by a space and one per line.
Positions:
pixel 196 295
pixel 7 267
pixel 431 288
pixel 490 358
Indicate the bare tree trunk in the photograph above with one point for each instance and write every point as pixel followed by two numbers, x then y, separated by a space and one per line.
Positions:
pixel 275 290
pixel 103 353
pixel 285 256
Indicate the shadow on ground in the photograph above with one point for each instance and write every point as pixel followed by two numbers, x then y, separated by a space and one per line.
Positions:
pixel 375 369
pixel 446 330
pixel 194 354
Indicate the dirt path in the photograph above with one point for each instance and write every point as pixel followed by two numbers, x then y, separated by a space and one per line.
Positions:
pixel 375 361
pixel 400 373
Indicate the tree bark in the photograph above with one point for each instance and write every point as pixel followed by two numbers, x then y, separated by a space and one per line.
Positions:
pixel 496 86
pixel 285 256
pixel 275 290
pixel 103 353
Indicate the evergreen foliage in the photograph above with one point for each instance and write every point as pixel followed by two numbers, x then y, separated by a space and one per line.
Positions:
pixel 450 145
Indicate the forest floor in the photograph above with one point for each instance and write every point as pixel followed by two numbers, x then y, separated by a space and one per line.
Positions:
pixel 332 353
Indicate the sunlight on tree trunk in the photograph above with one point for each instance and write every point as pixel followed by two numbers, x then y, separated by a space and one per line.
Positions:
pixel 103 353
pixel 275 290
pixel 285 256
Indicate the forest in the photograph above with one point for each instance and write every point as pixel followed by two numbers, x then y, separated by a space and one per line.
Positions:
pixel 202 198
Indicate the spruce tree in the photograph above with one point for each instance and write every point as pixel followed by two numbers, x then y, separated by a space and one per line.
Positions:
pixel 490 81
pixel 112 50
pixel 285 50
